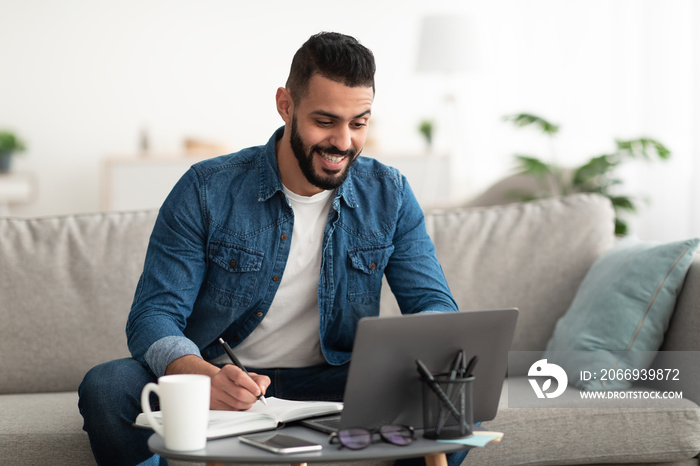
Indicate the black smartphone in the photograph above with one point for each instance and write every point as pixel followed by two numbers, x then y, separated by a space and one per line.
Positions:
pixel 279 443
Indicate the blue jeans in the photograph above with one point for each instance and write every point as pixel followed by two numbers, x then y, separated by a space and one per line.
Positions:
pixel 110 400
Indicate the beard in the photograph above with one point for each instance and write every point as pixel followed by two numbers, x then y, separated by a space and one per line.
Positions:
pixel 329 179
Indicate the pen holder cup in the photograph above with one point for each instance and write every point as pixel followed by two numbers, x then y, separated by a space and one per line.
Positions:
pixel 447 407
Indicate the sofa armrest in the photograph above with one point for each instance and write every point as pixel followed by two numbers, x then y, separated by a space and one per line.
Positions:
pixel 681 343
pixel 684 328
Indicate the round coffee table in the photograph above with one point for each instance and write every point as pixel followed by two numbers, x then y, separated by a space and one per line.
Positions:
pixel 230 449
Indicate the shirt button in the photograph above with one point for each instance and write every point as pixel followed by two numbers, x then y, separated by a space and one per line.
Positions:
pixel 232 263
pixel 276 278
pixel 259 314
pixel 283 237
pixel 372 266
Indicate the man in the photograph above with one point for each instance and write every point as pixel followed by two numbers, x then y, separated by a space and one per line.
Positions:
pixel 279 250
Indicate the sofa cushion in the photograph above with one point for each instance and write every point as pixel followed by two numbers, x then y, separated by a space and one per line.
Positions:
pixel 532 256
pixel 66 285
pixel 46 429
pixel 622 309
pixel 668 433
pixel 43 429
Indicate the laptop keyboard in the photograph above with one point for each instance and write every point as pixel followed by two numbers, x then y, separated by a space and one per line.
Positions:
pixel 325 424
pixel 332 422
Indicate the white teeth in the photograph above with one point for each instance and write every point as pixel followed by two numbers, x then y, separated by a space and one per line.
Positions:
pixel 332 158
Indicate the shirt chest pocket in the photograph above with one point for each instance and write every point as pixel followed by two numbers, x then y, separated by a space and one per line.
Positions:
pixel 366 270
pixel 233 273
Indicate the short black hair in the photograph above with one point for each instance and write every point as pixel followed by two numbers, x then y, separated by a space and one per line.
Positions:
pixel 335 56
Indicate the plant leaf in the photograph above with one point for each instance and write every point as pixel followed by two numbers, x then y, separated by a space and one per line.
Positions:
pixel 623 203
pixel 620 227
pixel 533 166
pixel 522 196
pixel 527 119
pixel 596 167
pixel 639 148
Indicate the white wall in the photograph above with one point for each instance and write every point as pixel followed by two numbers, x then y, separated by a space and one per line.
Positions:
pixel 79 79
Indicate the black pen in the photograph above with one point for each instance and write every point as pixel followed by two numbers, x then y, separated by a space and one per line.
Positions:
pixel 235 360
pixel 455 369
pixel 470 367
pixel 435 387
pixel 456 365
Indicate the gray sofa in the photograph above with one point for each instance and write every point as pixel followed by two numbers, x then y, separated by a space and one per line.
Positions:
pixel 66 285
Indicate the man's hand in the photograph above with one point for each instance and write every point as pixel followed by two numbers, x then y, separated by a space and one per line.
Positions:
pixel 231 388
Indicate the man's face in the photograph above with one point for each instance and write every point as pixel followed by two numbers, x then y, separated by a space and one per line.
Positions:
pixel 329 129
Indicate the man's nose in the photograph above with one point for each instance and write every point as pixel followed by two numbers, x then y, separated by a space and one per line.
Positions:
pixel 341 138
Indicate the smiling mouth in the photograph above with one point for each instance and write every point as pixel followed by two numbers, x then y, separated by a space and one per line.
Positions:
pixel 330 157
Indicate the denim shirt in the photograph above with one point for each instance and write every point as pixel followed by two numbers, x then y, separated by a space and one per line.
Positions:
pixel 221 241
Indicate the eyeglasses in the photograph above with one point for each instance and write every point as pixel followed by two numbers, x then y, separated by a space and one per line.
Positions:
pixel 358 438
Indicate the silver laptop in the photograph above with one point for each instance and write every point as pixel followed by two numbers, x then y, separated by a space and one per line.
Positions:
pixel 383 384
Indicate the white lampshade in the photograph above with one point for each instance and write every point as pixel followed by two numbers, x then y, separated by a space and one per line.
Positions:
pixel 443 45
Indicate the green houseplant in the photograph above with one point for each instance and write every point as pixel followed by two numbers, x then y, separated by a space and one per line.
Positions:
pixel 9 144
pixel 425 128
pixel 597 175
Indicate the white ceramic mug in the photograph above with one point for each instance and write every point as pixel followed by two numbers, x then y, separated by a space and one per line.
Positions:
pixel 184 406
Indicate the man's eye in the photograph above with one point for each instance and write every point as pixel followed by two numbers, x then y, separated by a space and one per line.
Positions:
pixel 323 123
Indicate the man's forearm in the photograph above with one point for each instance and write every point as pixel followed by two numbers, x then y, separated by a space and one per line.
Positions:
pixel 191 364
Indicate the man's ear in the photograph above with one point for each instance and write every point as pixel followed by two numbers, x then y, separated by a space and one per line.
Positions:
pixel 285 104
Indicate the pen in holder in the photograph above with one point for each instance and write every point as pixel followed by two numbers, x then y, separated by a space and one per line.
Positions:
pixel 447 405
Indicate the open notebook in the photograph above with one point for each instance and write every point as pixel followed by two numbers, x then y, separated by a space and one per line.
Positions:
pixel 259 417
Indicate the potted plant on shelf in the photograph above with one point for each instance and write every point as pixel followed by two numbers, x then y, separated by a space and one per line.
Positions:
pixel 9 144
pixel 426 128
pixel 594 176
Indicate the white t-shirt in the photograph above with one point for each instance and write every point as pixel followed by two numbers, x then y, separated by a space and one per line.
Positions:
pixel 289 334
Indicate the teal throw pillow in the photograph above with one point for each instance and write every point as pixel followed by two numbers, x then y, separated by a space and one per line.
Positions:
pixel 621 311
